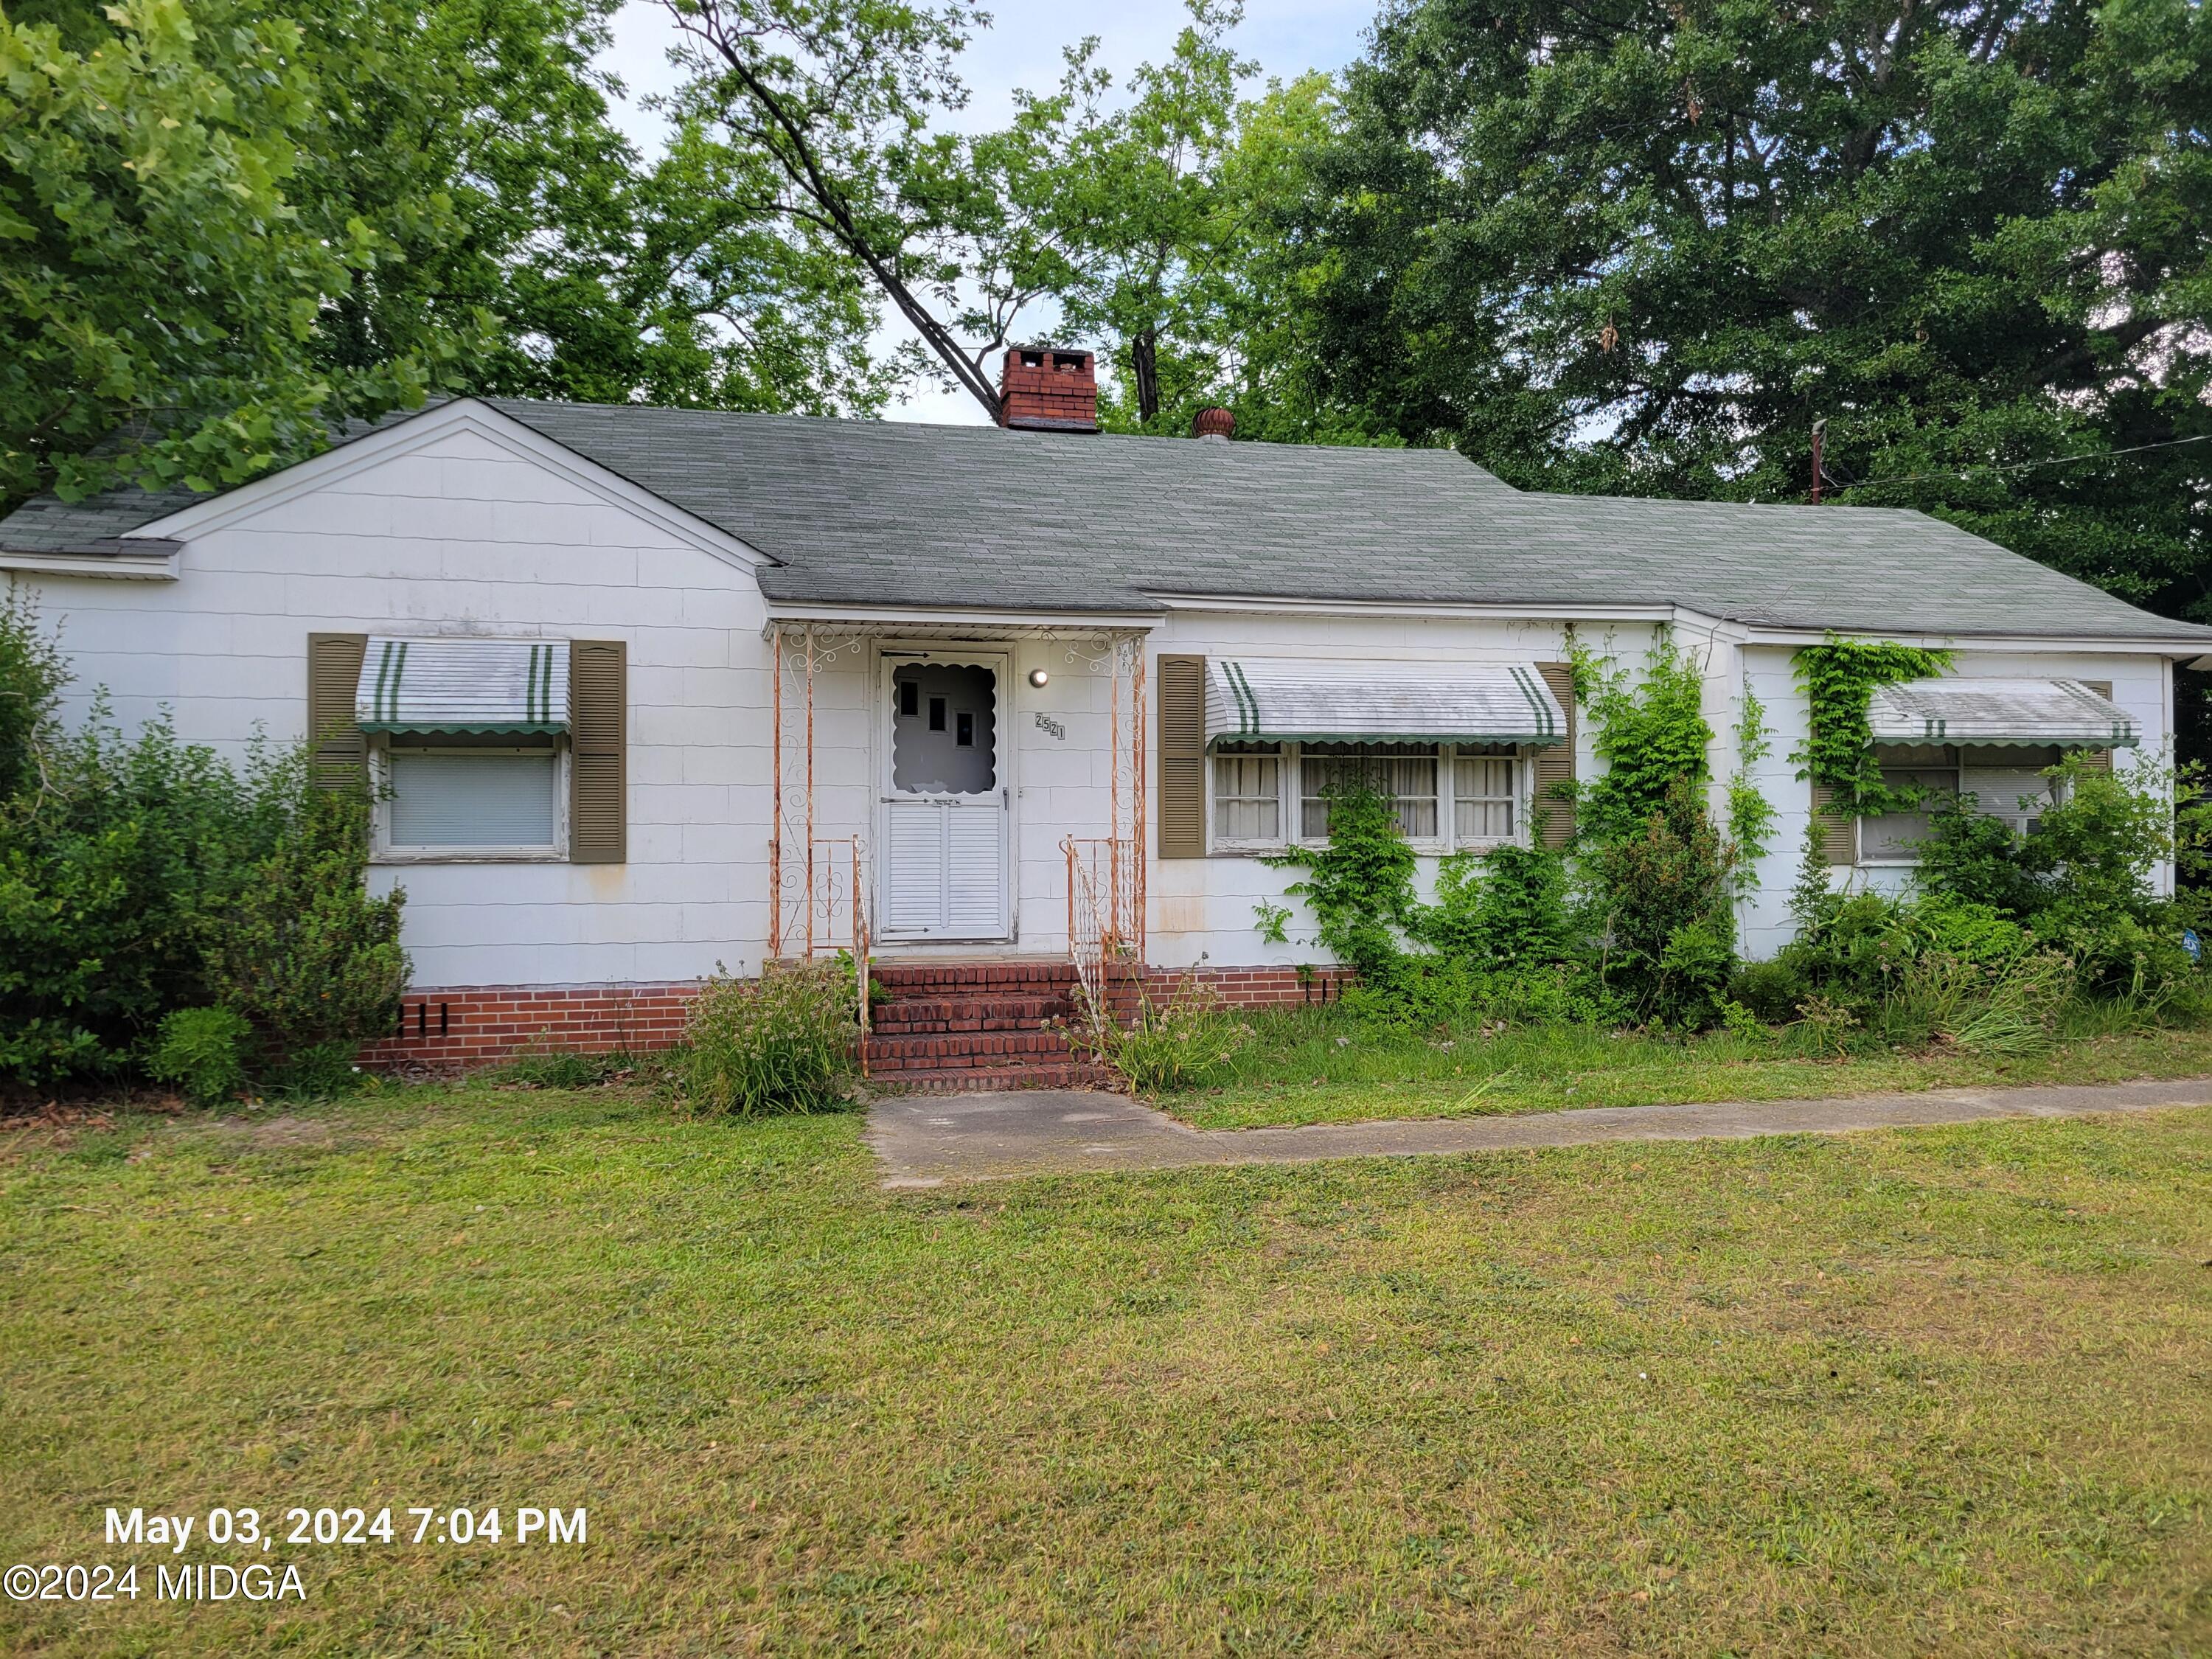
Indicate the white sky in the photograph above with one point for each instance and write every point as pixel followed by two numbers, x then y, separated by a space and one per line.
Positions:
pixel 1021 49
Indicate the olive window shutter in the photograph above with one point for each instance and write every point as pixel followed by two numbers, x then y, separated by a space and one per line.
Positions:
pixel 1555 764
pixel 599 759
pixel 2098 760
pixel 1839 832
pixel 338 752
pixel 1180 683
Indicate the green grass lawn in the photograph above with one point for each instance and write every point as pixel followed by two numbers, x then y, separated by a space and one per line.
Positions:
pixel 1319 1065
pixel 1944 1390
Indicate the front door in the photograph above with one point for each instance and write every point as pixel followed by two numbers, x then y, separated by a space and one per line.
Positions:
pixel 945 805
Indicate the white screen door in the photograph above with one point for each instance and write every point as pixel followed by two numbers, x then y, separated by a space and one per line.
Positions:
pixel 945 807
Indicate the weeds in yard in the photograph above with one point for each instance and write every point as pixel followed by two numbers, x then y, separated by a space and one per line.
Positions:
pixel 1188 1041
pixel 787 1041
pixel 561 1068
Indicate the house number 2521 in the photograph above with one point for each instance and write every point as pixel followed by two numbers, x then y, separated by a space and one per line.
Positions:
pixel 1046 723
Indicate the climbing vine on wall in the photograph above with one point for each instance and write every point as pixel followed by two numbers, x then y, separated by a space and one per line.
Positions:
pixel 1750 814
pixel 1840 679
pixel 1649 731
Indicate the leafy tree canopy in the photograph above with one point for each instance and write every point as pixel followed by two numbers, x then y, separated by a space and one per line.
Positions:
pixel 225 228
pixel 1641 246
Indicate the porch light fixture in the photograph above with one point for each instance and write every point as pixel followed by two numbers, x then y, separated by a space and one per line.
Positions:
pixel 1038 677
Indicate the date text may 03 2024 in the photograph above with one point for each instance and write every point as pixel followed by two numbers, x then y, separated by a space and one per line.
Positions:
pixel 350 1525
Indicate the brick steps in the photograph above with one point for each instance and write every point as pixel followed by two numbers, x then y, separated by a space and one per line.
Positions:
pixel 949 1027
pixel 956 978
pixel 966 1080
pixel 887 1054
pixel 1009 1014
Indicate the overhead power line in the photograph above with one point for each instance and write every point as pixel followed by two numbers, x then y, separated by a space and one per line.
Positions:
pixel 2028 467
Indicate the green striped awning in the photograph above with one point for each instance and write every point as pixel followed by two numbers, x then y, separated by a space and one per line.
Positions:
pixel 463 685
pixel 1989 712
pixel 1309 700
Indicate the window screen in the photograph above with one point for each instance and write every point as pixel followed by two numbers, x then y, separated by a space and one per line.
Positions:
pixel 1896 835
pixel 458 798
pixel 1248 801
pixel 1483 798
pixel 1406 773
pixel 2018 793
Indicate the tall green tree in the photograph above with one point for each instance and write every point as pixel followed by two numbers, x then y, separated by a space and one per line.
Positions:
pixel 526 241
pixel 156 282
pixel 226 228
pixel 837 97
pixel 1145 197
pixel 1643 245
pixel 1163 203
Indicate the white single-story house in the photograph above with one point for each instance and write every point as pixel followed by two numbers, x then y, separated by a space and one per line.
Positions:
pixel 651 690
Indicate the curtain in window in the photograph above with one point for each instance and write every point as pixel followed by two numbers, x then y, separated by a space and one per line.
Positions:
pixel 1405 773
pixel 1482 798
pixel 1248 802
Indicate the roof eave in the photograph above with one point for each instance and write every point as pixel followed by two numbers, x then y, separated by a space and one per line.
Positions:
pixel 139 558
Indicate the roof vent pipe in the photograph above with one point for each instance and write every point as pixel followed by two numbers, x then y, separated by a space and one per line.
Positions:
pixel 1213 422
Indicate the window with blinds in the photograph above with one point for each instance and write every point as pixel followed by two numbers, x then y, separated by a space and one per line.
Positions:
pixel 480 799
pixel 1998 781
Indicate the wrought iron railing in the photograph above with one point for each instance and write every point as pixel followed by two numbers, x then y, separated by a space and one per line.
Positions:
pixel 820 907
pixel 1105 913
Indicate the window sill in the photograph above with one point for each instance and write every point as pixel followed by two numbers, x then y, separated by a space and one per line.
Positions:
pixel 1425 849
pixel 471 855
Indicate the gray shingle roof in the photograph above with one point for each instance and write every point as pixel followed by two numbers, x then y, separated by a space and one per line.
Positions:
pixel 888 513
pixel 91 526
pixel 892 513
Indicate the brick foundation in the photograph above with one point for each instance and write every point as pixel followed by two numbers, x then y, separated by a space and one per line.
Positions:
pixel 464 1026
pixel 475 1025
pixel 1236 988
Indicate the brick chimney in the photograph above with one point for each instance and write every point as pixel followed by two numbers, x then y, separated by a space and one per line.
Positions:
pixel 1047 389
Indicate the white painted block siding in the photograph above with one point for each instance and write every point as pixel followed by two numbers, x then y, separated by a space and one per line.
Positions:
pixel 461 529
pixel 464 535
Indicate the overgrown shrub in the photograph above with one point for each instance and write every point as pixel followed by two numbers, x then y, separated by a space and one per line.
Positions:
pixel 1187 1042
pixel 787 1041
pixel 144 875
pixel 203 1052
pixel 1771 990
pixel 1360 886
pixel 2082 883
pixel 302 950
pixel 32 676
pixel 1569 993
pixel 1659 904
pixel 1505 908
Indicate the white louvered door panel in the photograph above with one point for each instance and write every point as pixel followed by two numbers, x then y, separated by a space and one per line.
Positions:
pixel 946 827
pixel 914 868
pixel 975 868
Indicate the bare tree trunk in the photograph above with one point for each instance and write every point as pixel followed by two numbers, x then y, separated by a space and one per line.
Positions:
pixel 1143 360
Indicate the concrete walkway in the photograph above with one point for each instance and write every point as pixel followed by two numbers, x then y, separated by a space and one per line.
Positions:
pixel 928 1140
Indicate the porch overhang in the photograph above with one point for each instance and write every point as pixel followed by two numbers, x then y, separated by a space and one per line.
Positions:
pixel 952 622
